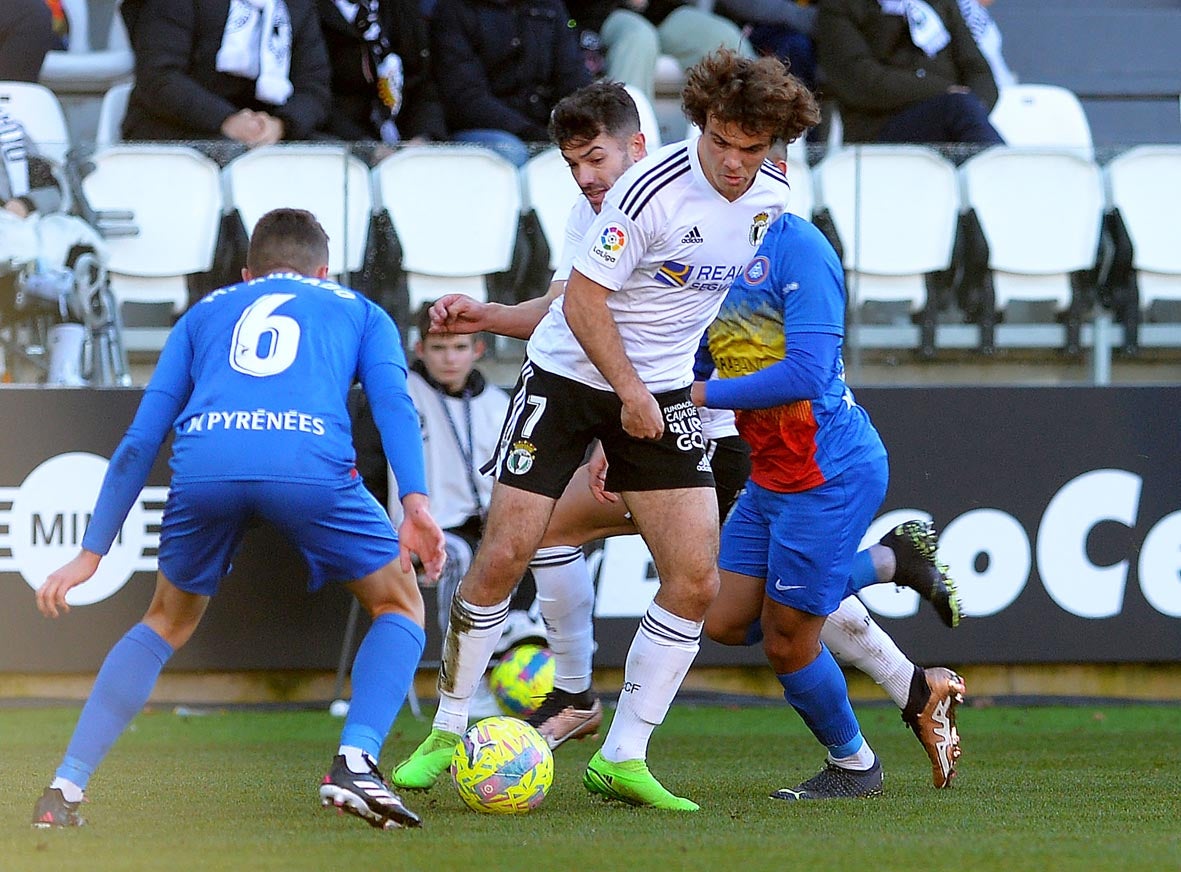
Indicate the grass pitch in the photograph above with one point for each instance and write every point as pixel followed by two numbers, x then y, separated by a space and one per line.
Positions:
pixel 1079 788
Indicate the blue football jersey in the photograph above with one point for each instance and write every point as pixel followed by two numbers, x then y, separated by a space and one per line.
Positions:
pixel 263 369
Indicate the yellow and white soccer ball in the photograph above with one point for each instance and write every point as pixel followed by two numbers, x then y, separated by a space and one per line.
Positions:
pixel 521 680
pixel 502 766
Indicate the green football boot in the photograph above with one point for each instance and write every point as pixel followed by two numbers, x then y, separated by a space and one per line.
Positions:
pixel 630 781
pixel 431 759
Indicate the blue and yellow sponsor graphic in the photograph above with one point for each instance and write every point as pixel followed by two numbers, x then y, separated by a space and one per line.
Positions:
pixel 674 274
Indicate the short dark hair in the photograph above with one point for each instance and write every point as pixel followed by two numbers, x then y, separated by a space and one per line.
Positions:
pixel 287 239
pixel 758 95
pixel 602 107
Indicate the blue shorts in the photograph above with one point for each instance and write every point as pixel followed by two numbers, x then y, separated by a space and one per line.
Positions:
pixel 804 543
pixel 340 530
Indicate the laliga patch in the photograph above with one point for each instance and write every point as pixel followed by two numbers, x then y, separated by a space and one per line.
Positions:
pixel 610 243
pixel 757 270
pixel 520 459
pixel 758 228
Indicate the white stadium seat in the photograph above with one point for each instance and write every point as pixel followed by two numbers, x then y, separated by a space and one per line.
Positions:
pixel 325 179
pixel 168 237
pixel 1041 212
pixel 110 115
pixel 550 190
pixel 895 209
pixel 40 113
pixel 1144 183
pixel 455 210
pixel 1042 115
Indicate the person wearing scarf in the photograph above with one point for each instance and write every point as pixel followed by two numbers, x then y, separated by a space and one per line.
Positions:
pixel 252 71
pixel 382 89
pixel 905 71
pixel 27 184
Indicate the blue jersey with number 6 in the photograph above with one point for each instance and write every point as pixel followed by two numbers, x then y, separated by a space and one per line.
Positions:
pixel 263 369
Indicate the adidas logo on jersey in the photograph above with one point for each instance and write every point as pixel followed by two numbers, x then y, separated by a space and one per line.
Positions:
pixel 693 237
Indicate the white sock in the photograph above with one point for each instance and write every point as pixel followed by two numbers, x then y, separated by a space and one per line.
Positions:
pixel 466 654
pixel 566 595
pixel 855 638
pixel 660 655
pixel 71 792
pixel 859 761
pixel 356 759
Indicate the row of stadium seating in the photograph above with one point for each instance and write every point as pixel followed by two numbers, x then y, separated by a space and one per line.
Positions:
pixel 937 256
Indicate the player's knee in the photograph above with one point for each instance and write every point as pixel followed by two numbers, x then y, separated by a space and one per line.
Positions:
pixel 724 631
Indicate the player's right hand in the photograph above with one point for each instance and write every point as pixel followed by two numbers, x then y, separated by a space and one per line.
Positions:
pixel 458 313
pixel 51 596
pixel 420 534
pixel 641 417
pixel 596 469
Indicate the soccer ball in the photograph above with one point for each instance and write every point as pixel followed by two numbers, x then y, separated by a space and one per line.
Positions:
pixel 502 766
pixel 522 679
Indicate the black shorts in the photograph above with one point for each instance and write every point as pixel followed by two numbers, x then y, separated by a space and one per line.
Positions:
pixel 729 458
pixel 552 419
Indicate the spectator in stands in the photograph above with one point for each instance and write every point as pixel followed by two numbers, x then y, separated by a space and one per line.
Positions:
pixel 29 190
pixel 500 66
pixel 988 38
pixel 251 71
pixel 634 33
pixel 27 183
pixel 905 71
pixel 26 34
pixel 783 28
pixel 382 88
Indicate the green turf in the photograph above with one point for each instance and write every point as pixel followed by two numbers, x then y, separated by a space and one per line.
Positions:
pixel 1040 789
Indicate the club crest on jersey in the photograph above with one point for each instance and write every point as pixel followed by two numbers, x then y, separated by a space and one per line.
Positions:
pixel 757 270
pixel 673 274
pixel 758 228
pixel 520 459
pixel 610 243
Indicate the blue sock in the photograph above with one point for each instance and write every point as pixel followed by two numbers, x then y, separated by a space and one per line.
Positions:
pixel 819 693
pixel 863 573
pixel 120 691
pixel 382 672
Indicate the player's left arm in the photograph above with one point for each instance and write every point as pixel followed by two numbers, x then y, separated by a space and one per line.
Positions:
pixel 383 372
pixel 808 287
pixel 163 399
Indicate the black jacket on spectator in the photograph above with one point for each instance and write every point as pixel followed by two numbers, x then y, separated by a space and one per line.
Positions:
pixel 873 69
pixel 353 76
pixel 178 92
pixel 503 64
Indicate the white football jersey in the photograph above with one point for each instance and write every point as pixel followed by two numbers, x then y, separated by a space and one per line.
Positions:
pixel 668 246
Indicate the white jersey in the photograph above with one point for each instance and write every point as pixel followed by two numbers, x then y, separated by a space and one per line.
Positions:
pixel 458 436
pixel 668 246
pixel 582 216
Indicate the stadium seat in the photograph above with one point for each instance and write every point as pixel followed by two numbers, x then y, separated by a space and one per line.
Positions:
pixel 455 210
pixel 894 209
pixel 649 126
pixel 1042 115
pixel 551 192
pixel 1144 195
pixel 84 67
pixel 1040 212
pixel 39 111
pixel 166 237
pixel 802 200
pixel 110 115
pixel 327 180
